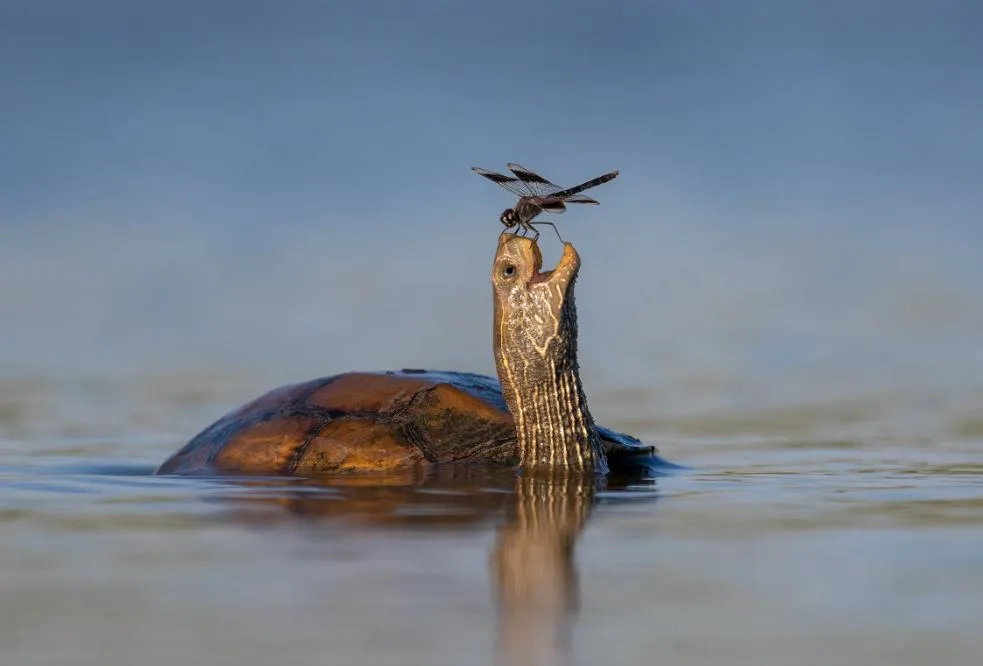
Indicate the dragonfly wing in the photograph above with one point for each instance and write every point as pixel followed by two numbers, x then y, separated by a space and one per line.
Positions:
pixel 553 207
pixel 580 198
pixel 513 185
pixel 539 185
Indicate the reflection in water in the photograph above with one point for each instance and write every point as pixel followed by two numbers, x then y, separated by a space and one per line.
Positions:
pixel 533 568
pixel 452 497
pixel 533 572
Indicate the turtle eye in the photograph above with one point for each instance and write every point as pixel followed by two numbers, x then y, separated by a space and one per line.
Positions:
pixel 508 271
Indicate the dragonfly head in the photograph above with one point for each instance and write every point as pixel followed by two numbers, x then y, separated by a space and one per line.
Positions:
pixel 509 218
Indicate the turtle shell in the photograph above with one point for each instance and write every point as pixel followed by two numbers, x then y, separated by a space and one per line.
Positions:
pixel 370 422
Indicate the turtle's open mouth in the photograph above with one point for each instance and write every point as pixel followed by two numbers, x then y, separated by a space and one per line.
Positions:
pixel 566 267
pixel 520 251
pixel 538 275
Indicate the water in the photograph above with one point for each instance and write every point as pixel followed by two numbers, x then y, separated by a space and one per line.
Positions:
pixel 834 533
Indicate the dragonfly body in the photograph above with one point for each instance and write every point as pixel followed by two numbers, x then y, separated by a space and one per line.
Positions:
pixel 523 214
pixel 536 194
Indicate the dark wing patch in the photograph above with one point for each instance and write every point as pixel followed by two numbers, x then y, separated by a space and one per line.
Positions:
pixel 553 206
pixel 513 185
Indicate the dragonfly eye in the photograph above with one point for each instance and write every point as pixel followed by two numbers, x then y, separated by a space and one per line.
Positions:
pixel 508 218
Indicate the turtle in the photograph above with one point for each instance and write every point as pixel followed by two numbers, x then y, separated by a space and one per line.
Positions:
pixel 533 417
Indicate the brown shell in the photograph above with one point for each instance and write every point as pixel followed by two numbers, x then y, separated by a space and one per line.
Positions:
pixel 362 421
pixel 376 422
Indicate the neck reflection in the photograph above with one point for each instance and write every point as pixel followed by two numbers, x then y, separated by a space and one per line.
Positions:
pixel 533 568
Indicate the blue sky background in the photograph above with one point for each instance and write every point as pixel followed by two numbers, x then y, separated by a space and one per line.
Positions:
pixel 285 187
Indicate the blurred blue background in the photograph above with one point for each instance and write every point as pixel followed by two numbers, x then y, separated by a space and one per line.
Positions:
pixel 285 188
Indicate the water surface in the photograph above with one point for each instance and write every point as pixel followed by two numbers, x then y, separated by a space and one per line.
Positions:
pixel 834 532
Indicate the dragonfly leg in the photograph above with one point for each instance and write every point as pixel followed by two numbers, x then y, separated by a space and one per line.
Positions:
pixel 527 228
pixel 509 230
pixel 555 230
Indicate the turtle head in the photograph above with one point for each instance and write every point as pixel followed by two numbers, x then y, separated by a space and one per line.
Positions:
pixel 531 304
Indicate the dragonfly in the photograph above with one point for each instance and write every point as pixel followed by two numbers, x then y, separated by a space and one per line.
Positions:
pixel 536 194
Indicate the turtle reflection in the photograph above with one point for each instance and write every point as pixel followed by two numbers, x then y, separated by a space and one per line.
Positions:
pixel 532 563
